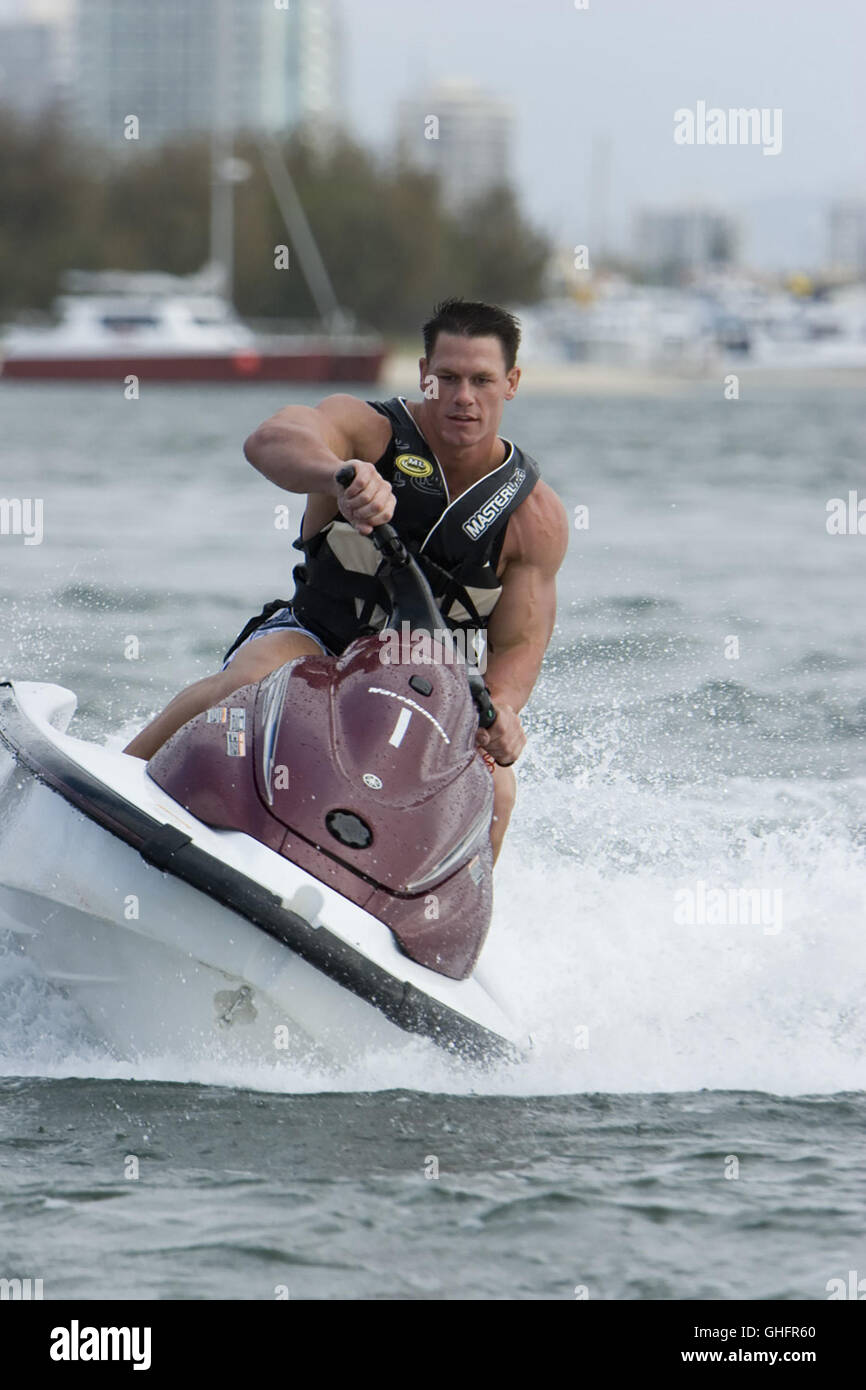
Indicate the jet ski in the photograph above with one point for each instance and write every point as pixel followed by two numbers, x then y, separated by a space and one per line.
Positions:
pixel 304 871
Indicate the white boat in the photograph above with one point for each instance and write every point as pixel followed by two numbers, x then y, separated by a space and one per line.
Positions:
pixel 159 327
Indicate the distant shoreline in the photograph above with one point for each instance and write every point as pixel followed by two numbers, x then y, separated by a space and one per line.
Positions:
pixel 400 374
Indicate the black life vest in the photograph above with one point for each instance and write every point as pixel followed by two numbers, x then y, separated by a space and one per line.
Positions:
pixel 457 544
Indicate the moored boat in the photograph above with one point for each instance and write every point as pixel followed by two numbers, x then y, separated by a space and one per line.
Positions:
pixel 166 328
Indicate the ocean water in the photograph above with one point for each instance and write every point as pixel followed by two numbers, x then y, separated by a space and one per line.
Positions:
pixel 680 901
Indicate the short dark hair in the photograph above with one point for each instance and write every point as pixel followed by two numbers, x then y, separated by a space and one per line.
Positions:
pixel 473 319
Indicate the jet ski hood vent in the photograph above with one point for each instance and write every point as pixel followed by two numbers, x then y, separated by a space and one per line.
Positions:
pixel 354 736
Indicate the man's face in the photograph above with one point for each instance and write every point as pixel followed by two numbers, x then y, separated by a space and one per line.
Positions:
pixel 473 387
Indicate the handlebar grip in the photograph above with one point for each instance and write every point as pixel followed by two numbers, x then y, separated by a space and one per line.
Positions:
pixel 486 711
pixel 384 537
pixel 389 543
pixel 483 701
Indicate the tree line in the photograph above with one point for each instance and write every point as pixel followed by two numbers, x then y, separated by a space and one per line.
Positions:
pixel 387 237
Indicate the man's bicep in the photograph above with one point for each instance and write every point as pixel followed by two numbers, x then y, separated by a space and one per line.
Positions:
pixel 526 610
pixel 352 428
pixel 341 422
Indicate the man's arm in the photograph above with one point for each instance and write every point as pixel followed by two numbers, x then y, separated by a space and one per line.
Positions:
pixel 301 449
pixel 522 621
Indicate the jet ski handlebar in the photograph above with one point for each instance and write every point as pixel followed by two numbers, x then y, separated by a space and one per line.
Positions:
pixel 384 537
pixel 481 696
pixel 414 598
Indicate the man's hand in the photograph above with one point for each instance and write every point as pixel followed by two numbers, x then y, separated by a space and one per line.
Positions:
pixel 368 501
pixel 504 740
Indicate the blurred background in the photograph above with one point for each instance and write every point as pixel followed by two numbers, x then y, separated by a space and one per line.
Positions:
pixel 524 157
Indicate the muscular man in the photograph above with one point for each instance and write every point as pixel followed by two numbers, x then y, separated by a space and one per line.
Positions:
pixel 489 534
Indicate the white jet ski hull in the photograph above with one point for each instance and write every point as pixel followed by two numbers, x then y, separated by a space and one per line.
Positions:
pixel 173 936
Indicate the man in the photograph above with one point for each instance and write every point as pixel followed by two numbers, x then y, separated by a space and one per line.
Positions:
pixel 488 532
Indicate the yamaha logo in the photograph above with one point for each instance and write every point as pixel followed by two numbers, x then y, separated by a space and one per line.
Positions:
pixel 414 466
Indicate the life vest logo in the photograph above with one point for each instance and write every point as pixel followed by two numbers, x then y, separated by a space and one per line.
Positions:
pixel 476 525
pixel 414 466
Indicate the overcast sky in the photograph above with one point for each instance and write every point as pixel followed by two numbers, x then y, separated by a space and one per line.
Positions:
pixel 619 70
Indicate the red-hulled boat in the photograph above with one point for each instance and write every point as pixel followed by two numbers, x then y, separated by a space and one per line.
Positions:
pixel 165 328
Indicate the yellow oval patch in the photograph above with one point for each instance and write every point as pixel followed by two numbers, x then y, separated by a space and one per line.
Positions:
pixel 415 466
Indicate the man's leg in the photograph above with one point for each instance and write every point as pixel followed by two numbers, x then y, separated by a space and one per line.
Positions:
pixel 251 663
pixel 504 797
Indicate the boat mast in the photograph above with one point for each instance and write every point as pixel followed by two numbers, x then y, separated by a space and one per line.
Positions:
pixel 301 235
pixel 225 172
pixel 222 192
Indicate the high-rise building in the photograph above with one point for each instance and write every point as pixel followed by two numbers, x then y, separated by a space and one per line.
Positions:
pixel 179 66
pixel 684 241
pixel 461 133
pixel 34 56
pixel 847 237
pixel 29 80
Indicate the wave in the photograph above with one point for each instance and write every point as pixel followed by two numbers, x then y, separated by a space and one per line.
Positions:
pixel 619 989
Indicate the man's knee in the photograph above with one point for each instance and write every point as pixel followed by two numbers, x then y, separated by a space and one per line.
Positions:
pixel 257 659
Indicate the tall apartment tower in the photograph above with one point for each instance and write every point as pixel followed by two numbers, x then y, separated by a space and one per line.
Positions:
pixel 178 64
pixel 686 240
pixel 35 56
pixel 847 237
pixel 460 132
